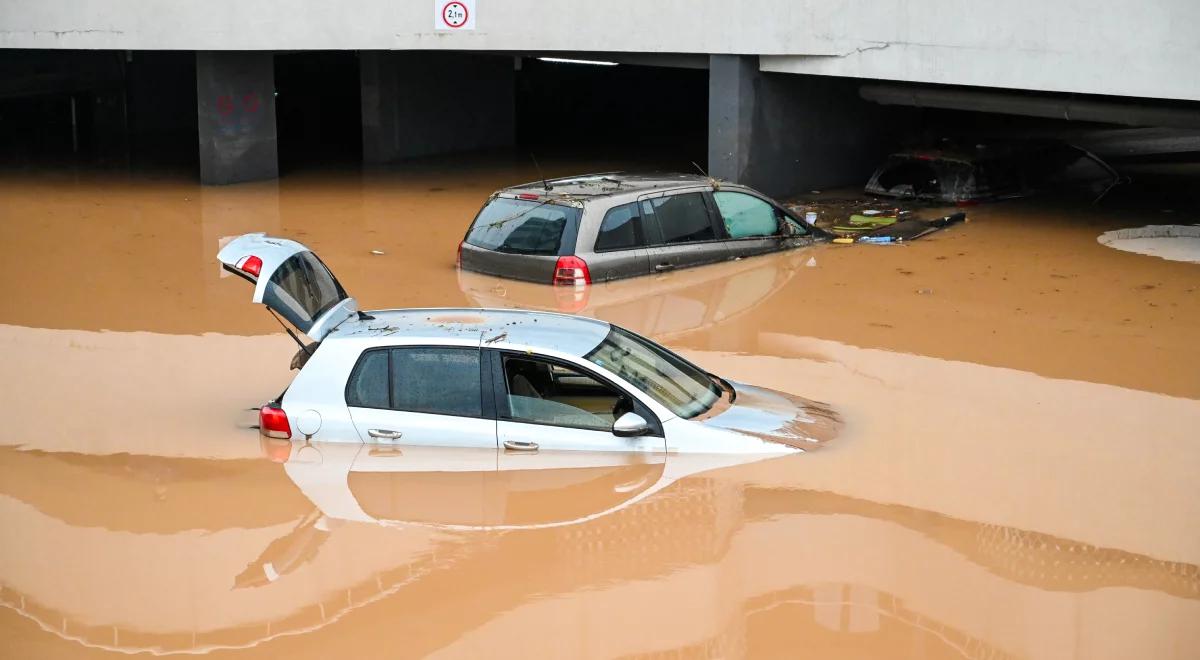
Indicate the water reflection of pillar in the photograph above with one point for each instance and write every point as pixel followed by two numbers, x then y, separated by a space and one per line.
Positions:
pixel 832 620
pixel 691 522
pixel 1023 556
pixel 225 213
pixel 731 336
pixel 846 608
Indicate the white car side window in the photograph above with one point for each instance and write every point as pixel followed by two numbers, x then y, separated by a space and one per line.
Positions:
pixel 541 392
pixel 441 380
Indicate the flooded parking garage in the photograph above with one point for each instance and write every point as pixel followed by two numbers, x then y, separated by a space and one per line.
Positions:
pixel 1015 478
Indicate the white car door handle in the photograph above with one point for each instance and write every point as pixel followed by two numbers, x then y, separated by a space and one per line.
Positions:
pixel 385 434
pixel 518 445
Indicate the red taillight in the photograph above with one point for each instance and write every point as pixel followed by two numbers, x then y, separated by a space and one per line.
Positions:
pixel 571 270
pixel 273 422
pixel 527 196
pixel 252 265
pixel 458 259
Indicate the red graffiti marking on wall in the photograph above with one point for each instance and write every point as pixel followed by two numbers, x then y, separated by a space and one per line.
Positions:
pixel 240 110
pixel 251 102
pixel 225 105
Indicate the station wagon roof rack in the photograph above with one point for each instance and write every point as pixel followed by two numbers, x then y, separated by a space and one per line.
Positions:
pixel 603 184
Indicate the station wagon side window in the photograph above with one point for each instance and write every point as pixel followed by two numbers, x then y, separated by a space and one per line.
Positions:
pixel 682 218
pixel 544 392
pixel 621 229
pixel 441 380
pixel 746 216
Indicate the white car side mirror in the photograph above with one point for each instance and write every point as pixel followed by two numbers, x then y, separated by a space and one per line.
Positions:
pixel 630 425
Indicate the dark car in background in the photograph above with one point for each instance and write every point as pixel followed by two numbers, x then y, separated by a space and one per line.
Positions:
pixel 990 171
pixel 602 227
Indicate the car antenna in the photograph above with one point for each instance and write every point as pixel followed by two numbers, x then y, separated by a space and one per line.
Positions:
pixel 290 333
pixel 716 185
pixel 545 183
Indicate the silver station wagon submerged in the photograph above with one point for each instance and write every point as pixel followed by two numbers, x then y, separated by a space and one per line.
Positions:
pixel 498 379
pixel 603 227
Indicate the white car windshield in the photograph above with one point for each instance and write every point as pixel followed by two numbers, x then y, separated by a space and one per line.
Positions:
pixel 680 386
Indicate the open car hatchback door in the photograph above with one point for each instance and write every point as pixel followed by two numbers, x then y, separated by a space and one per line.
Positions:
pixel 291 281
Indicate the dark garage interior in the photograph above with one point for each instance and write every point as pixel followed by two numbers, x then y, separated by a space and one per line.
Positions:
pixel 138 110
pixel 654 114
pixel 318 112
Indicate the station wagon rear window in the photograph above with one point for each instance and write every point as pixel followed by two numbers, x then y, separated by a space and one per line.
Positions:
pixel 519 226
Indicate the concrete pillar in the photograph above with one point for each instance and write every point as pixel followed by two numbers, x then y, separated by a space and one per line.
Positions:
pixel 731 105
pixel 110 125
pixel 421 103
pixel 235 110
pixel 786 133
pixel 380 85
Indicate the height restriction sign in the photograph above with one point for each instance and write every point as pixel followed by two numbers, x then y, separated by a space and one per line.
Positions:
pixel 454 14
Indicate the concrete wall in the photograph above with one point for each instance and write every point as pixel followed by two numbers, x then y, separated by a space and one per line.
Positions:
pixel 1118 47
pixel 421 104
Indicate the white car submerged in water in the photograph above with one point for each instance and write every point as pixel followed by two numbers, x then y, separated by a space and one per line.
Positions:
pixel 504 380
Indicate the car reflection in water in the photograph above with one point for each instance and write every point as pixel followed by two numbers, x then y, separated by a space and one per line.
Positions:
pixel 662 307
pixel 483 489
pixel 844 574
pixel 458 489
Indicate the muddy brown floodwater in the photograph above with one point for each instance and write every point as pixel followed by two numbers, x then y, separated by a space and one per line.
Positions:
pixel 1016 477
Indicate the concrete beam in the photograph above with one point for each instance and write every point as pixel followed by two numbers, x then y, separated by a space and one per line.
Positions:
pixel 235 110
pixel 1110 47
pixel 422 104
pixel 1143 113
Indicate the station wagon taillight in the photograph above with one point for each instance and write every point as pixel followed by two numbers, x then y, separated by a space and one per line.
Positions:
pixel 273 422
pixel 458 259
pixel 572 271
pixel 251 265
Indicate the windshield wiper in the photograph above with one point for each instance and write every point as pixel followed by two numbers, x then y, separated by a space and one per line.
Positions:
pixel 724 385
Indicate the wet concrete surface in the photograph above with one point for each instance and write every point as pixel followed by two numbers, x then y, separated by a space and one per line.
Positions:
pixel 1016 477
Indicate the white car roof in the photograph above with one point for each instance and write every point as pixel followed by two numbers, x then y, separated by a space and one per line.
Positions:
pixel 572 335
